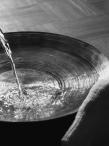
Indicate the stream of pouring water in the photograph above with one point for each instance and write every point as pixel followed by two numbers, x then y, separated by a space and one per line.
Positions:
pixel 8 51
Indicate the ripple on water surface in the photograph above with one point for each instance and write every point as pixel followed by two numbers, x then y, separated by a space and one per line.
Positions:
pixel 37 101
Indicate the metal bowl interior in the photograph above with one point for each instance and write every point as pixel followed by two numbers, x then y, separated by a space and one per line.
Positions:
pixel 55 71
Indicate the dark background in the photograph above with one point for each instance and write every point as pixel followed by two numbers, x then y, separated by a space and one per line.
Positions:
pixel 43 133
